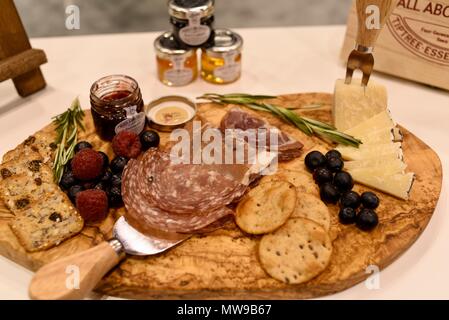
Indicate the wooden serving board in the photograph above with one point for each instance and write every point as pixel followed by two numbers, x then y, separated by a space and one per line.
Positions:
pixel 224 264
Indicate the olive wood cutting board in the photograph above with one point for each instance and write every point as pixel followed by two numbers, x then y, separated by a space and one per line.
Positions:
pixel 224 264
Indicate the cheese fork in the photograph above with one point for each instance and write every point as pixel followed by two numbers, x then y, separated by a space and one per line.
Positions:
pixel 75 276
pixel 362 56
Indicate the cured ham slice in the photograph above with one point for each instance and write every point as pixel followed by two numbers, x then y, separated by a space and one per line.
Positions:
pixel 287 147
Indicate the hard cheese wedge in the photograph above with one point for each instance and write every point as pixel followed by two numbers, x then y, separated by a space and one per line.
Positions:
pixel 371 151
pixel 393 163
pixel 381 136
pixel 398 185
pixel 354 104
pixel 379 121
pixel 379 171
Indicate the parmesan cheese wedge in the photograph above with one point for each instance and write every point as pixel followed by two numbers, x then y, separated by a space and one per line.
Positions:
pixel 398 185
pixel 381 136
pixel 354 104
pixel 379 121
pixel 393 163
pixel 371 151
pixel 388 169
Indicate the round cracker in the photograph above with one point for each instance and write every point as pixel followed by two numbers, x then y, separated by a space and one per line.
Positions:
pixel 311 207
pixel 266 207
pixel 296 252
pixel 303 181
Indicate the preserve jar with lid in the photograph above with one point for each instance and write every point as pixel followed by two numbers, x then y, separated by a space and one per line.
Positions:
pixel 177 64
pixel 116 105
pixel 221 63
pixel 192 21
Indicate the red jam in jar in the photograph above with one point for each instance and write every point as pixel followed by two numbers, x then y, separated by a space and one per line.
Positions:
pixel 113 100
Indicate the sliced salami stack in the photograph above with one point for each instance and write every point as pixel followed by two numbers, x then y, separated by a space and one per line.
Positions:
pixel 162 195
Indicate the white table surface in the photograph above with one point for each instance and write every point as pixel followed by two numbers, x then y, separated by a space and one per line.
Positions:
pixel 276 61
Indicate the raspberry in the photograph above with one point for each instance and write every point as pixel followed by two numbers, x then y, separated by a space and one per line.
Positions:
pixel 127 144
pixel 87 164
pixel 92 205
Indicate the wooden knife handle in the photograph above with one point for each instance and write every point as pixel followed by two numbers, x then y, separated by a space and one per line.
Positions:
pixel 366 36
pixel 75 276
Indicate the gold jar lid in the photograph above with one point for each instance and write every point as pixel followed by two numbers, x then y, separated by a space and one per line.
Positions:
pixel 226 41
pixel 167 46
pixel 182 8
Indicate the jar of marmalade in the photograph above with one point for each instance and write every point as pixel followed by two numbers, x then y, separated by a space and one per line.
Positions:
pixel 192 21
pixel 116 105
pixel 177 64
pixel 221 63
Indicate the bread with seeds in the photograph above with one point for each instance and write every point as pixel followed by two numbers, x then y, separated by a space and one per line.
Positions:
pixel 47 223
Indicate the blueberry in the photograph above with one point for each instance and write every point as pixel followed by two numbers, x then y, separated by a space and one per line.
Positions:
pixel 329 193
pixel 314 160
pixel 106 177
pixel 343 181
pixel 118 164
pixel 347 215
pixel 89 185
pixel 102 186
pixel 105 159
pixel 73 191
pixel 350 199
pixel 115 197
pixel 149 139
pixel 322 175
pixel 116 180
pixel 369 200
pixel 333 154
pixel 335 164
pixel 67 180
pixel 82 145
pixel 367 219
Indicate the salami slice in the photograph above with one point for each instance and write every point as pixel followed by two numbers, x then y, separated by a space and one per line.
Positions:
pixel 144 215
pixel 190 188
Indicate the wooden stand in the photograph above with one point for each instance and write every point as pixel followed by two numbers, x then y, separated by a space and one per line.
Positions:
pixel 18 61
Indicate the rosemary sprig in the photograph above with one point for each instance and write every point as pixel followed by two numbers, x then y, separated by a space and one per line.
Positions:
pixel 306 125
pixel 67 125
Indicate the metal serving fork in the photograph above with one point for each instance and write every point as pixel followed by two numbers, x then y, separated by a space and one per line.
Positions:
pixel 367 33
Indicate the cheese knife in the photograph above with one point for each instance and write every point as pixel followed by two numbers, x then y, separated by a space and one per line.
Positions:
pixel 362 56
pixel 75 276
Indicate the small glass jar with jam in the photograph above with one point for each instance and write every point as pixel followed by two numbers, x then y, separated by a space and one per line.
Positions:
pixel 192 21
pixel 177 64
pixel 221 63
pixel 116 105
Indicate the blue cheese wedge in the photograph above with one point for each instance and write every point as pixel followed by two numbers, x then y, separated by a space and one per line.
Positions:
pixel 398 185
pixel 371 151
pixel 354 104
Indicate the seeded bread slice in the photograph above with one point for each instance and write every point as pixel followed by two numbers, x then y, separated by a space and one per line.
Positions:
pixel 21 191
pixel 41 143
pixel 47 223
pixel 31 164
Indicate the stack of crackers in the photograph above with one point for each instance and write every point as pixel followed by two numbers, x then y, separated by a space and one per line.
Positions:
pixel 285 208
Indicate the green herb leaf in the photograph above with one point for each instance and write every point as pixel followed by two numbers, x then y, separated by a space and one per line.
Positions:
pixel 306 125
pixel 67 125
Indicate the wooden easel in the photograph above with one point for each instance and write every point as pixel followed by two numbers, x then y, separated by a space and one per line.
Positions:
pixel 18 61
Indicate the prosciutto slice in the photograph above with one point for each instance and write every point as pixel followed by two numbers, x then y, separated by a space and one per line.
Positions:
pixel 287 147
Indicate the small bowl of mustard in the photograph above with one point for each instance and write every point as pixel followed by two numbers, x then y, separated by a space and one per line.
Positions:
pixel 170 112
